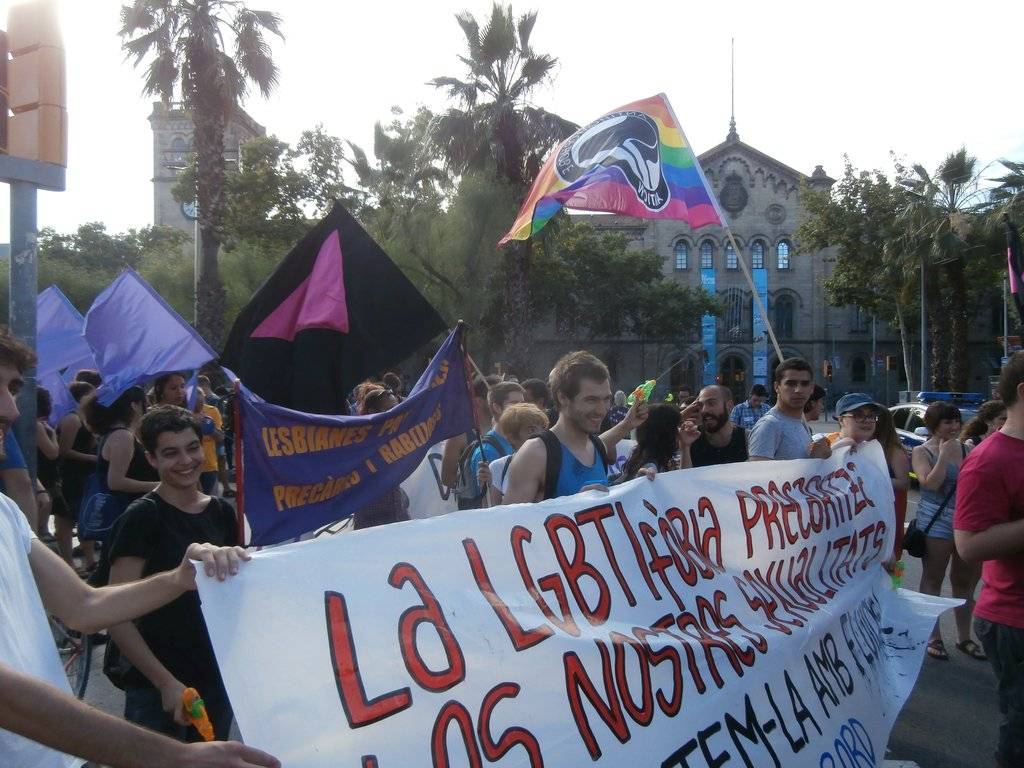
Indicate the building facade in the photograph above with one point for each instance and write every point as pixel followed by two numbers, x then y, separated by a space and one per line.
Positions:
pixel 761 200
pixel 172 145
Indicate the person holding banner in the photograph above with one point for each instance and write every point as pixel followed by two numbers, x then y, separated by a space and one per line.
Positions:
pixel 169 648
pixel 41 723
pixel 392 506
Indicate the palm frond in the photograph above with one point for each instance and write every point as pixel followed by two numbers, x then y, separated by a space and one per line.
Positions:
pixel 525 29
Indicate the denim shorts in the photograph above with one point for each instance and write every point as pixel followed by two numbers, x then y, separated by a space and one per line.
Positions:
pixel 942 528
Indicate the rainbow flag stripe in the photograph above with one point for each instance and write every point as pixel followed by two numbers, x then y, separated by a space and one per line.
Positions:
pixel 635 160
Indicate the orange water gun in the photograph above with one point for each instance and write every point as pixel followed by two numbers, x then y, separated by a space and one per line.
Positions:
pixel 642 393
pixel 195 710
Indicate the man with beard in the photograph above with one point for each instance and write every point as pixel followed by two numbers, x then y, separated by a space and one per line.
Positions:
pixel 570 457
pixel 720 441
pixel 782 433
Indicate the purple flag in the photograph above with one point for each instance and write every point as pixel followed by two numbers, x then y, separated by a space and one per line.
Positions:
pixel 136 336
pixel 62 348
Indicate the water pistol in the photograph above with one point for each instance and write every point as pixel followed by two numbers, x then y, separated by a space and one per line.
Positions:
pixel 897 574
pixel 642 393
pixel 195 710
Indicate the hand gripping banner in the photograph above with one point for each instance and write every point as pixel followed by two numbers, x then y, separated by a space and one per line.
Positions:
pixel 303 471
pixel 725 615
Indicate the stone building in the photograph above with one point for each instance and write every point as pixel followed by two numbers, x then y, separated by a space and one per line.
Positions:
pixel 761 199
pixel 172 145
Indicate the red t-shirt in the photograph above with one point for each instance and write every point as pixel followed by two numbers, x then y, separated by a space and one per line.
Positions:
pixel 990 490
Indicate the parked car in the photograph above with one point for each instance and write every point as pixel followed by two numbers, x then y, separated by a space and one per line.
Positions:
pixel 908 418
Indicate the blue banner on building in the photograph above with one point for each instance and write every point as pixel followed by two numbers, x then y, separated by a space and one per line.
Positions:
pixel 303 471
pixel 760 351
pixel 709 331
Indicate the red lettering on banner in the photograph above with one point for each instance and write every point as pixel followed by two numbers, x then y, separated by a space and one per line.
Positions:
pixel 596 515
pixel 659 563
pixel 510 737
pixel 521 638
pixel 669 707
pixel 429 612
pixel 576 569
pixel 518 536
pixel 750 518
pixel 451 712
pixel 610 712
pixel 369 761
pixel 637 551
pixel 359 711
pixel 641 713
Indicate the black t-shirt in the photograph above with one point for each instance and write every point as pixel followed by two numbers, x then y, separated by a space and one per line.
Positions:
pixel 160 533
pixel 703 454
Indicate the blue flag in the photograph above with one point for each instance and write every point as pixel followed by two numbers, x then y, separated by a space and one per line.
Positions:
pixel 136 336
pixel 61 347
pixel 303 471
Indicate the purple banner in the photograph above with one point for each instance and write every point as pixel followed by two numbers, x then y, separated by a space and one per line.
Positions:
pixel 303 471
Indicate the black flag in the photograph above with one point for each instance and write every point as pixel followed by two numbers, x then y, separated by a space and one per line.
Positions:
pixel 335 311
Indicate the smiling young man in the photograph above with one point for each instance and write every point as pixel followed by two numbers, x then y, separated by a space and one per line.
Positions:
pixel 169 648
pixel 570 457
pixel 721 441
pixel 41 723
pixel 782 433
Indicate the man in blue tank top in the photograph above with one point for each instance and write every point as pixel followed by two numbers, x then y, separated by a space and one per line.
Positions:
pixel 571 457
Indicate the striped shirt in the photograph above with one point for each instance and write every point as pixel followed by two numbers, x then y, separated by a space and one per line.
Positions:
pixel 746 416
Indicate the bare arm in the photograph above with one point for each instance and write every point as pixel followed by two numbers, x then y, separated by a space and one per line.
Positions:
pixel 48 716
pixel 88 609
pixel 636 416
pixel 46 441
pixel 18 486
pixel 526 473
pixel 900 468
pixel 69 427
pixel 930 476
pixel 1001 540
pixel 120 447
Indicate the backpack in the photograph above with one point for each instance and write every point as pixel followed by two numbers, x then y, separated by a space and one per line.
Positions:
pixel 553 465
pixel 468 490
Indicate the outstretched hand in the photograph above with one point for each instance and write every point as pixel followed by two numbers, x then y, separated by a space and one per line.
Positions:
pixel 216 561
pixel 226 754
pixel 636 415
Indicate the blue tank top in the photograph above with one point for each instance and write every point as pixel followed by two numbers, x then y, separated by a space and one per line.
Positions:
pixel 932 500
pixel 574 474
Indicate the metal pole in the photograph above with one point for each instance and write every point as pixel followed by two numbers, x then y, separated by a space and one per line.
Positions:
pixel 874 351
pixel 195 274
pixel 924 335
pixel 24 286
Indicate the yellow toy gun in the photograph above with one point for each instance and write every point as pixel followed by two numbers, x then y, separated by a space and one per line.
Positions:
pixel 195 710
pixel 642 393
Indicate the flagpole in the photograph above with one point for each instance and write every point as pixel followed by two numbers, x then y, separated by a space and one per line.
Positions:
pixel 239 475
pixel 466 359
pixel 728 234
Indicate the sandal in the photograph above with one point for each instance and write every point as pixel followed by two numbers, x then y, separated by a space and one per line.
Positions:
pixel 937 650
pixel 972 649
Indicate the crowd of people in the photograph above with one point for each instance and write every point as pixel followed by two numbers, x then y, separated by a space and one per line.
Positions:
pixel 158 465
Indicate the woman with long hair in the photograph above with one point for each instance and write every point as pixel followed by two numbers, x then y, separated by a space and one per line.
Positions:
pixel 937 466
pixel 657 442
pixel 990 417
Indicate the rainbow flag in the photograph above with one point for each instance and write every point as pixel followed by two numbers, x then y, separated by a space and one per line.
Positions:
pixel 634 160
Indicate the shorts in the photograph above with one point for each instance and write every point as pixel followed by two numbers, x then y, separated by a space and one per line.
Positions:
pixel 942 528
pixel 59 507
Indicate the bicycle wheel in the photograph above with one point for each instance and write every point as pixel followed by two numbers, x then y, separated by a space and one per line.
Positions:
pixel 75 650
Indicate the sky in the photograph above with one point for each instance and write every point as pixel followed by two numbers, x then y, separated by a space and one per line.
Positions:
pixel 813 81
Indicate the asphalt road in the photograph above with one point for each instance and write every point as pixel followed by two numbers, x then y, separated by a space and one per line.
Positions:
pixel 950 720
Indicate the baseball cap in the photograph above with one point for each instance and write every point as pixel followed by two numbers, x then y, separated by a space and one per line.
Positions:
pixel 855 400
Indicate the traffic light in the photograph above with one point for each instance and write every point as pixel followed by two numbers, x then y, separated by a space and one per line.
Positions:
pixel 37 89
pixel 890 363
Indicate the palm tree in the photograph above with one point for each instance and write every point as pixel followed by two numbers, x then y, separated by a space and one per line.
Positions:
pixel 184 41
pixel 494 129
pixel 944 231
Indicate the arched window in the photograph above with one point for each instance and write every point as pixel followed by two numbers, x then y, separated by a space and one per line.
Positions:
pixel 783 317
pixel 733 374
pixel 782 252
pixel 730 257
pixel 757 255
pixel 732 320
pixel 858 370
pixel 707 250
pixel 682 254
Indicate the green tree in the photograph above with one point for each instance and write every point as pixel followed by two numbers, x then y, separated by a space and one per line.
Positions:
pixel 858 217
pixel 495 130
pixel 186 42
pixel 944 228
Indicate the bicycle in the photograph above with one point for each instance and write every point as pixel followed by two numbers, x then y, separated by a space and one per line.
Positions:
pixel 75 651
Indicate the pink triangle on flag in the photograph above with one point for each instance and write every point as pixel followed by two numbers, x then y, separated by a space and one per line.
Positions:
pixel 318 302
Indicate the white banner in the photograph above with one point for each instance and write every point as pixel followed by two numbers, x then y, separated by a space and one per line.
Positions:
pixel 725 615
